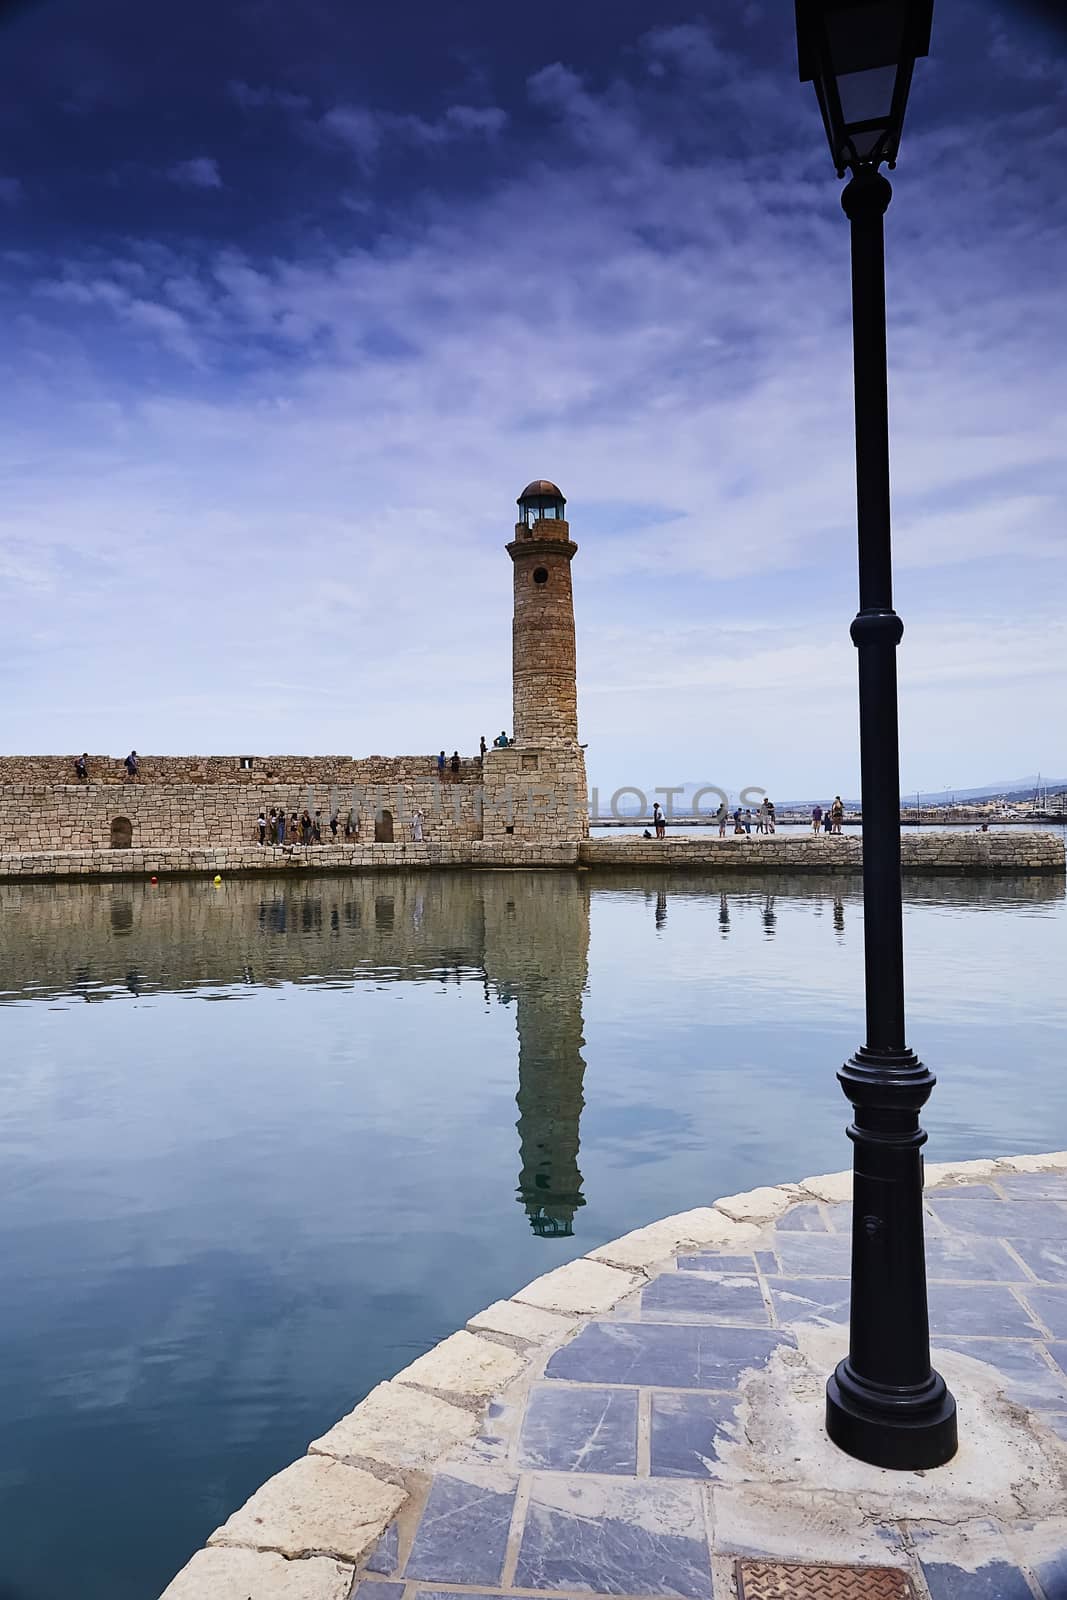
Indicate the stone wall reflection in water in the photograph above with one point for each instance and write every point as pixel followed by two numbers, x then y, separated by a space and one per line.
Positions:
pixel 529 947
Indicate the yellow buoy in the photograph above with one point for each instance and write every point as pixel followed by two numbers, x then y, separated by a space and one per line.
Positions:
pixel 216 879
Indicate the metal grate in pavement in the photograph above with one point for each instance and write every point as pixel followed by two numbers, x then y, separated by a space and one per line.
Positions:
pixel 789 1580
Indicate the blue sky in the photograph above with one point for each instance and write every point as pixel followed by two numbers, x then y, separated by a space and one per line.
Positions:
pixel 297 299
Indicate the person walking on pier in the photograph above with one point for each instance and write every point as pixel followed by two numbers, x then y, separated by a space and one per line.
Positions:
pixel 659 821
pixel 837 814
pixel 816 818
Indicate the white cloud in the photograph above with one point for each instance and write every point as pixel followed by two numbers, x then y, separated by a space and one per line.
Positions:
pixel 365 131
pixel 202 172
pixel 263 98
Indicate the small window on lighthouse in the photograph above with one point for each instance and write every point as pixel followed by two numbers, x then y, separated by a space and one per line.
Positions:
pixel 540 575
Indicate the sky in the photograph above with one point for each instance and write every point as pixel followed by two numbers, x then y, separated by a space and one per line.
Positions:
pixel 297 298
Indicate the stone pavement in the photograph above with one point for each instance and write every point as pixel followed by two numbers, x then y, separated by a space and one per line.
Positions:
pixel 657 1414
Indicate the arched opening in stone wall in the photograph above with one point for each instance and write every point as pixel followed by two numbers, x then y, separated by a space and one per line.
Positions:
pixel 383 827
pixel 121 833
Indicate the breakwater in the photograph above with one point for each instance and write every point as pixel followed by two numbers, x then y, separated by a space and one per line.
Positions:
pixel 979 854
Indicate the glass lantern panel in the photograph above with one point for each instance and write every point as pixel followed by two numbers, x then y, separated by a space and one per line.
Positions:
pixel 867 96
pixel 864 142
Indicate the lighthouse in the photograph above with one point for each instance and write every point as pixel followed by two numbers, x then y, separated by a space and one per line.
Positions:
pixel 544 674
pixel 535 790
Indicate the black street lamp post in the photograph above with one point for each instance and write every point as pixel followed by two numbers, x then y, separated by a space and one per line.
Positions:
pixel 884 1404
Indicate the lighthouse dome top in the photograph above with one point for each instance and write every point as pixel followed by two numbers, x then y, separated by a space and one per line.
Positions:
pixel 541 489
pixel 541 501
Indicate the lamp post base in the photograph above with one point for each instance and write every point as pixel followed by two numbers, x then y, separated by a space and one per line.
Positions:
pixel 906 1430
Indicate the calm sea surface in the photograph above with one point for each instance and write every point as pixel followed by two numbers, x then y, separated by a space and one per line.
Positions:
pixel 262 1144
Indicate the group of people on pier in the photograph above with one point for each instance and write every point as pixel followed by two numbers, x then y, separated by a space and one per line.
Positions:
pixel 830 820
pixel 762 819
pixel 301 827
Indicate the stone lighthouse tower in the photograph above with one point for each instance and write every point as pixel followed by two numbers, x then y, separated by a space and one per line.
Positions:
pixel 535 790
pixel 544 674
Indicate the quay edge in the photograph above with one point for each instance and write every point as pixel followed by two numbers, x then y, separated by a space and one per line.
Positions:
pixel 969 854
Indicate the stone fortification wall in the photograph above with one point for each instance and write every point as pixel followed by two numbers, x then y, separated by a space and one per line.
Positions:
pixel 531 798
pixel 163 813
pixel 223 769
pixel 1022 850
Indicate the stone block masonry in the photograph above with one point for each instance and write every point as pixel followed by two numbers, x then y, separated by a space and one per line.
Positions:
pixel 777 858
pixel 1021 851
pixel 522 799
pixel 641 1419
pixel 168 812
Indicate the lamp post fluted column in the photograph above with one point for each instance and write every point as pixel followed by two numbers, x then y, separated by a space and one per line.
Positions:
pixel 884 1404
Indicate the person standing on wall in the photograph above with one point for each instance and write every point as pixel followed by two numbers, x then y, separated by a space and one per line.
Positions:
pixel 454 763
pixel 768 806
pixel 659 821
pixel 482 748
pixel 416 828
pixel 837 814
pixel 132 765
pixel 441 765
pixel 723 818
pixel 333 825
pixel 816 818
pixel 261 824
pixel 81 767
